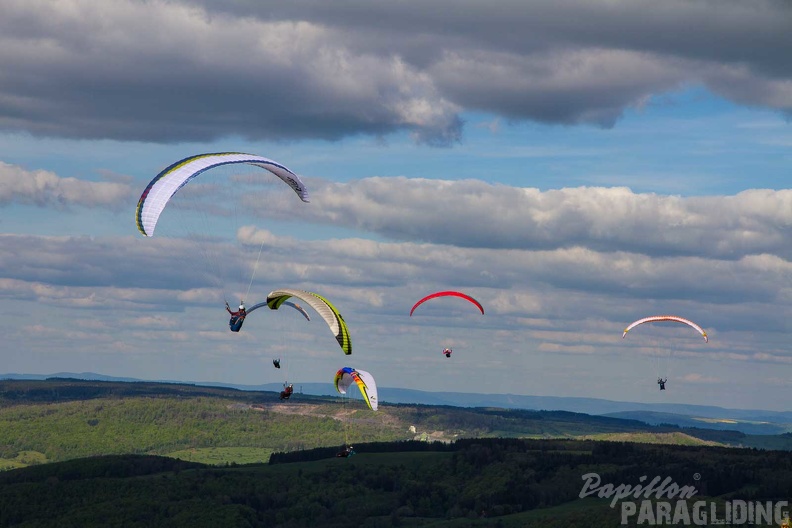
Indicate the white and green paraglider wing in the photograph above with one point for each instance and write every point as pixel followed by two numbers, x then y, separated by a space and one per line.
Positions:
pixel 160 190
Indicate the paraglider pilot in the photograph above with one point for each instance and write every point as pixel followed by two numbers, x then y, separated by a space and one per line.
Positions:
pixel 276 362
pixel 347 451
pixel 662 382
pixel 447 352
pixel 237 318
pixel 287 392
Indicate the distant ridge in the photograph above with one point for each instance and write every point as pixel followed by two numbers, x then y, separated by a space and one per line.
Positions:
pixel 671 413
pixel 90 376
pixel 757 425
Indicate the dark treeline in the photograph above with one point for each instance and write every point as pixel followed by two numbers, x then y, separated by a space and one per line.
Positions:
pixel 120 466
pixel 413 446
pixel 405 446
pixel 722 469
pixel 470 482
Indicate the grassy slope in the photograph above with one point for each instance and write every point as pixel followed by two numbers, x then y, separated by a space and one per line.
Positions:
pixel 75 429
pixel 675 438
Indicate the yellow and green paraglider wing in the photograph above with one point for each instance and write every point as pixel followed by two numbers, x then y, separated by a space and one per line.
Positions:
pixel 322 306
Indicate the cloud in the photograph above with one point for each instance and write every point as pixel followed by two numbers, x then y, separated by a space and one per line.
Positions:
pixel 200 70
pixel 170 71
pixel 586 238
pixel 519 246
pixel 476 214
pixel 527 286
pixel 163 264
pixel 44 188
pixel 591 86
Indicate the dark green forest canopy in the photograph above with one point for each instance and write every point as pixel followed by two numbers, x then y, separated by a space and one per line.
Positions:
pixel 481 482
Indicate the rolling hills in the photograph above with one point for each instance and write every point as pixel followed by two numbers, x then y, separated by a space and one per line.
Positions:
pixel 112 453
pixel 749 421
pixel 62 419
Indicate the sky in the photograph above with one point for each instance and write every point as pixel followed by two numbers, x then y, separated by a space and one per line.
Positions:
pixel 573 165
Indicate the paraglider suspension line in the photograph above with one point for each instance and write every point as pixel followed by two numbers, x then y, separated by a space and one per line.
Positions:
pixel 344 418
pixel 255 267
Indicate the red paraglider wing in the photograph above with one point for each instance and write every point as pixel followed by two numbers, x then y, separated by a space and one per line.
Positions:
pixel 447 293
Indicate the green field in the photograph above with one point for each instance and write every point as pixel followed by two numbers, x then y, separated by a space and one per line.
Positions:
pixel 675 438
pixel 23 459
pixel 218 456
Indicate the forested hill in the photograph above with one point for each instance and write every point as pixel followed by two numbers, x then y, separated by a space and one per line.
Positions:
pixel 596 406
pixel 53 390
pixel 54 420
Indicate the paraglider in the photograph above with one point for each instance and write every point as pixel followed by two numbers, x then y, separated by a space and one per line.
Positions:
pixel 346 452
pixel 447 350
pixel 662 380
pixel 276 362
pixel 287 391
pixel 199 217
pixel 447 294
pixel 327 311
pixel 673 318
pixel 347 376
